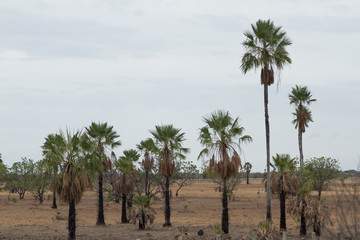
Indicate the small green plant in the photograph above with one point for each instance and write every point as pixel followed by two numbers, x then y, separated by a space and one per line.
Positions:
pixel 183 230
pixel 216 229
pixel 267 231
pixel 13 199
pixel 185 206
pixel 49 196
pixel 110 198
pixel 57 213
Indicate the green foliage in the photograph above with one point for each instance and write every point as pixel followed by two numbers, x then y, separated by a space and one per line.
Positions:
pixel 20 177
pixel 142 211
pixel 216 229
pixel 40 181
pixel 265 47
pixel 185 174
pixel 267 231
pixel 319 171
pixel 3 169
pixel 168 146
pixel 221 138
pixel 183 230
pixel 301 98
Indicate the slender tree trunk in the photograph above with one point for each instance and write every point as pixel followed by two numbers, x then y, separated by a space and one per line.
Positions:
pixel 247 178
pixel 54 200
pixel 123 210
pixel 267 129
pixel 282 211
pixel 142 221
pixel 100 218
pixel 72 221
pixel 301 154
pixel 225 211
pixel 167 204
pixel 147 193
pixel 302 220
pixel 319 193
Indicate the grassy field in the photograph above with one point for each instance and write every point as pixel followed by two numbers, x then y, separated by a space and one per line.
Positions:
pixel 26 219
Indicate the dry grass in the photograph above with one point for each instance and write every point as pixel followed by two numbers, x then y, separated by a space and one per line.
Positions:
pixel 25 219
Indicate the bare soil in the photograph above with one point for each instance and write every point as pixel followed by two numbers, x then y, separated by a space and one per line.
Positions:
pixel 27 219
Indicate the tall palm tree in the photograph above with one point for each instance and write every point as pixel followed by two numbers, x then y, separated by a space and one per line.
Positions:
pixel 300 97
pixel 265 49
pixel 74 174
pixel 169 145
pixel 53 149
pixel 126 165
pixel 283 181
pixel 247 167
pixel 105 137
pixel 221 138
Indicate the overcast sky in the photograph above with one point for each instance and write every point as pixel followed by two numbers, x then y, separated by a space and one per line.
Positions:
pixel 137 64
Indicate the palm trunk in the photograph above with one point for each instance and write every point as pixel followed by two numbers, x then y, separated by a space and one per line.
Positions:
pixel 147 192
pixel 123 209
pixel 247 178
pixel 167 204
pixel 267 129
pixel 142 221
pixel 100 218
pixel 302 220
pixel 54 200
pixel 282 211
pixel 72 221
pixel 225 211
pixel 129 201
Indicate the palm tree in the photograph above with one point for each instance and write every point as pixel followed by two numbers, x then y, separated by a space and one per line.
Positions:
pixel 221 138
pixel 147 146
pixel 143 211
pixel 105 137
pixel 301 97
pixel 169 145
pixel 265 49
pixel 74 173
pixel 283 181
pixel 247 167
pixel 52 151
pixel 126 165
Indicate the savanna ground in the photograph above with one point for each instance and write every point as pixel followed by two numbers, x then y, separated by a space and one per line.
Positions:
pixel 26 219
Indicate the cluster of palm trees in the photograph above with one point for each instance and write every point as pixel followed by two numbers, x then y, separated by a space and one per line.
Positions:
pixel 75 159
pixel 265 49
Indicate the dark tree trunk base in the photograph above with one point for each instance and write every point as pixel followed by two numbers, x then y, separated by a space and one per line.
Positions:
pixel 123 210
pixel 100 218
pixel 282 212
pixel 54 201
pixel 225 211
pixel 167 204
pixel 72 221
pixel 302 222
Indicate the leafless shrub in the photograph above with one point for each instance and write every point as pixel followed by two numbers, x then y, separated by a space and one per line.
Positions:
pixel 347 212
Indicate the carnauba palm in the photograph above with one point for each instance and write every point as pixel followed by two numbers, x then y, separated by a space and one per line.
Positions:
pixel 221 138
pixel 265 49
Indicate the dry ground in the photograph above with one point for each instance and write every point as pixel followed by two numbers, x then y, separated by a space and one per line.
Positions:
pixel 26 219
